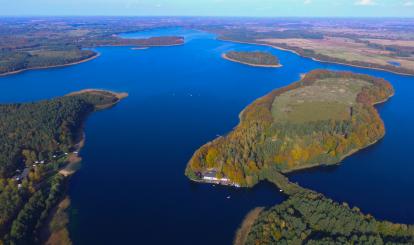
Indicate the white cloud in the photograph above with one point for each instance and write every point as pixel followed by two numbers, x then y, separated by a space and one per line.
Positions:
pixel 408 3
pixel 307 2
pixel 365 2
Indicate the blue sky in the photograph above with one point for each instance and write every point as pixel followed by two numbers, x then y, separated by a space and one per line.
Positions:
pixel 273 8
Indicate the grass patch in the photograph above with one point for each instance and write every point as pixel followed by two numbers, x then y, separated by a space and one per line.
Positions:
pixel 324 100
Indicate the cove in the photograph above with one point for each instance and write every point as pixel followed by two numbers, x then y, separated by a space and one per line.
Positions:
pixel 132 188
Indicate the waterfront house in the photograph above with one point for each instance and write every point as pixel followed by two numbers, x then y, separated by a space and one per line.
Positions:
pixel 212 176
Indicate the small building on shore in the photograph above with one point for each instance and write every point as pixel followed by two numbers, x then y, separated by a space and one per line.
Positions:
pixel 211 177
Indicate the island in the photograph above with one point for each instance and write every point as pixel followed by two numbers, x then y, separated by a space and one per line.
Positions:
pixel 319 120
pixel 256 58
pixel 311 218
pixel 40 139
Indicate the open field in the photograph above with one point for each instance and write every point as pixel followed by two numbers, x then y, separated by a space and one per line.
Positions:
pixel 324 100
pixel 345 49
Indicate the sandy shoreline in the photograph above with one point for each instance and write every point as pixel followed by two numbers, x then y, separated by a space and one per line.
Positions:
pixel 49 67
pixel 246 226
pixel 314 59
pixel 224 56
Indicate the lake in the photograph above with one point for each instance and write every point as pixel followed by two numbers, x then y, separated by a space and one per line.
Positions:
pixel 131 188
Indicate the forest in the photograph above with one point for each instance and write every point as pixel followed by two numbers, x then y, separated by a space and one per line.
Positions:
pixel 280 131
pixel 36 137
pixel 308 217
pixel 256 58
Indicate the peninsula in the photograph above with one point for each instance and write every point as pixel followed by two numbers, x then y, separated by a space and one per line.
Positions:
pixel 311 218
pixel 257 58
pixel 38 140
pixel 319 120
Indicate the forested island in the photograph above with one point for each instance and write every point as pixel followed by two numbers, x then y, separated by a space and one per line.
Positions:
pixel 257 58
pixel 39 139
pixel 308 217
pixel 318 120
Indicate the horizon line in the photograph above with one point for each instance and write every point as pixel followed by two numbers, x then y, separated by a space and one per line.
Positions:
pixel 209 16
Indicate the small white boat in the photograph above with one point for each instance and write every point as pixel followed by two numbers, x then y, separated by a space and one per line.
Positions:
pixel 228 197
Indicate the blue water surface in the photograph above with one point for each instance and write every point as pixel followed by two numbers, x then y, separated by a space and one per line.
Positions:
pixel 132 189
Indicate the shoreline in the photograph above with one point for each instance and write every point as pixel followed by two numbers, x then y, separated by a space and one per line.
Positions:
pixel 317 60
pixel 97 54
pixel 72 165
pixel 224 56
pixel 246 226
pixel 212 182
pixel 74 159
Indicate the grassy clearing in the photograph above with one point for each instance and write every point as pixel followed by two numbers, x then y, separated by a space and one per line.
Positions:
pixel 325 99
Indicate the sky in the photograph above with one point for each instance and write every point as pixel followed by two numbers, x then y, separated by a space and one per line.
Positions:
pixel 259 8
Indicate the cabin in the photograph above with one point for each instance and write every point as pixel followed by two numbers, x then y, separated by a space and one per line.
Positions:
pixel 212 176
pixel 22 176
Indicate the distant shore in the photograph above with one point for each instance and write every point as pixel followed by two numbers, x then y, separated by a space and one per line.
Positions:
pixel 224 56
pixel 96 55
pixel 314 59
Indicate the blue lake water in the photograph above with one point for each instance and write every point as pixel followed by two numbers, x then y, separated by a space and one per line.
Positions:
pixel 394 63
pixel 132 189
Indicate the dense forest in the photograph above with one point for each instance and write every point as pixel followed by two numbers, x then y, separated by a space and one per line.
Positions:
pixel 307 217
pixel 11 61
pixel 253 58
pixel 36 139
pixel 319 120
